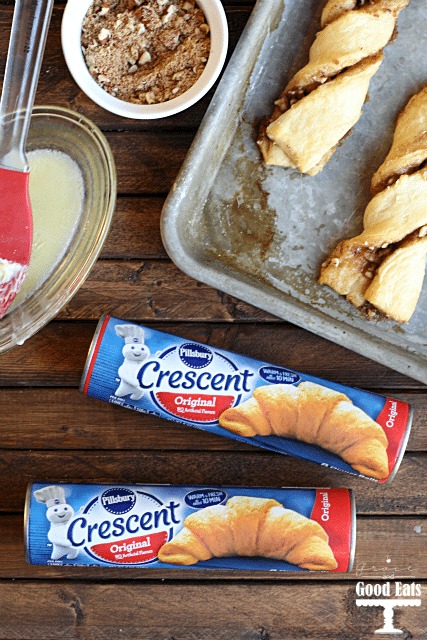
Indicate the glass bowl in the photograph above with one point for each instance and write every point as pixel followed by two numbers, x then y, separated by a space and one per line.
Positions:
pixel 64 130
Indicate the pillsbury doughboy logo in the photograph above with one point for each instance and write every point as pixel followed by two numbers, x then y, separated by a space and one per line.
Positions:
pixel 187 381
pixel 118 500
pixel 195 356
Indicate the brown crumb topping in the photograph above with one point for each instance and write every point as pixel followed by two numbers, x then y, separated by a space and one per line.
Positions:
pixel 145 51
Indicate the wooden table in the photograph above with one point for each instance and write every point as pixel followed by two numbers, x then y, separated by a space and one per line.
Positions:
pixel 49 431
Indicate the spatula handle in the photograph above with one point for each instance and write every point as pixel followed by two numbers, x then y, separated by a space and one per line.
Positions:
pixel 26 47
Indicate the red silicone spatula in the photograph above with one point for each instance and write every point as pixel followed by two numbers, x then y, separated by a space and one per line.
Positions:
pixel 27 41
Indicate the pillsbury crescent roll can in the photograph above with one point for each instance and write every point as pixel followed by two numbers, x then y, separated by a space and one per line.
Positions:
pixel 228 394
pixel 210 527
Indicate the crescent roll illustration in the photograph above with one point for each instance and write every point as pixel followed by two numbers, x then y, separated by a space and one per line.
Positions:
pixel 248 526
pixel 316 415
pixel 324 100
pixel 382 269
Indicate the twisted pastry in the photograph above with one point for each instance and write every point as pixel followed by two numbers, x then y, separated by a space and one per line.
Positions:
pixel 324 100
pixel 317 415
pixel 384 265
pixel 248 526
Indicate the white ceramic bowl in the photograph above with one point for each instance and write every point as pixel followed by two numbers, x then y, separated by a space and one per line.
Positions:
pixel 74 14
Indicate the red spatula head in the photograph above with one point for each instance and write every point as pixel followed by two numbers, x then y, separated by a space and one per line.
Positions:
pixel 16 234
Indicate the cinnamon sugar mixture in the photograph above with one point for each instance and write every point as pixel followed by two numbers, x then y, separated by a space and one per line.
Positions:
pixel 145 51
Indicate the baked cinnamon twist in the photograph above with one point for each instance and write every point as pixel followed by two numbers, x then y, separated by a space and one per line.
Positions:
pixel 384 265
pixel 324 100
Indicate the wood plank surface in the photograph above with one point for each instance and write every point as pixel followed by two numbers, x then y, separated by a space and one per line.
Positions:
pixel 137 218
pixel 381 553
pixel 65 419
pixel 49 431
pixel 57 354
pixel 148 162
pixel 155 290
pixel 405 495
pixel 187 612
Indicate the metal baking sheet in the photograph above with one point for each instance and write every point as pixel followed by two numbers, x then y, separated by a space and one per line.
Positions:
pixel 261 233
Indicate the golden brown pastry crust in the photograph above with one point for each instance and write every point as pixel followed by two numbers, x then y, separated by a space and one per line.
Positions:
pixel 335 8
pixel 398 281
pixel 324 100
pixel 313 126
pixel 248 526
pixel 409 148
pixel 384 265
pixel 316 415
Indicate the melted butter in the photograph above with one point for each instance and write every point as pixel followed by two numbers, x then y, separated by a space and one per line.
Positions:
pixel 56 194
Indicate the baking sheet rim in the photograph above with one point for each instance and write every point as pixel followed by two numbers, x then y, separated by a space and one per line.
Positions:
pixel 236 285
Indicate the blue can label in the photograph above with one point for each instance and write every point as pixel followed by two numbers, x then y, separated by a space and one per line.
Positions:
pixel 179 526
pixel 249 400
